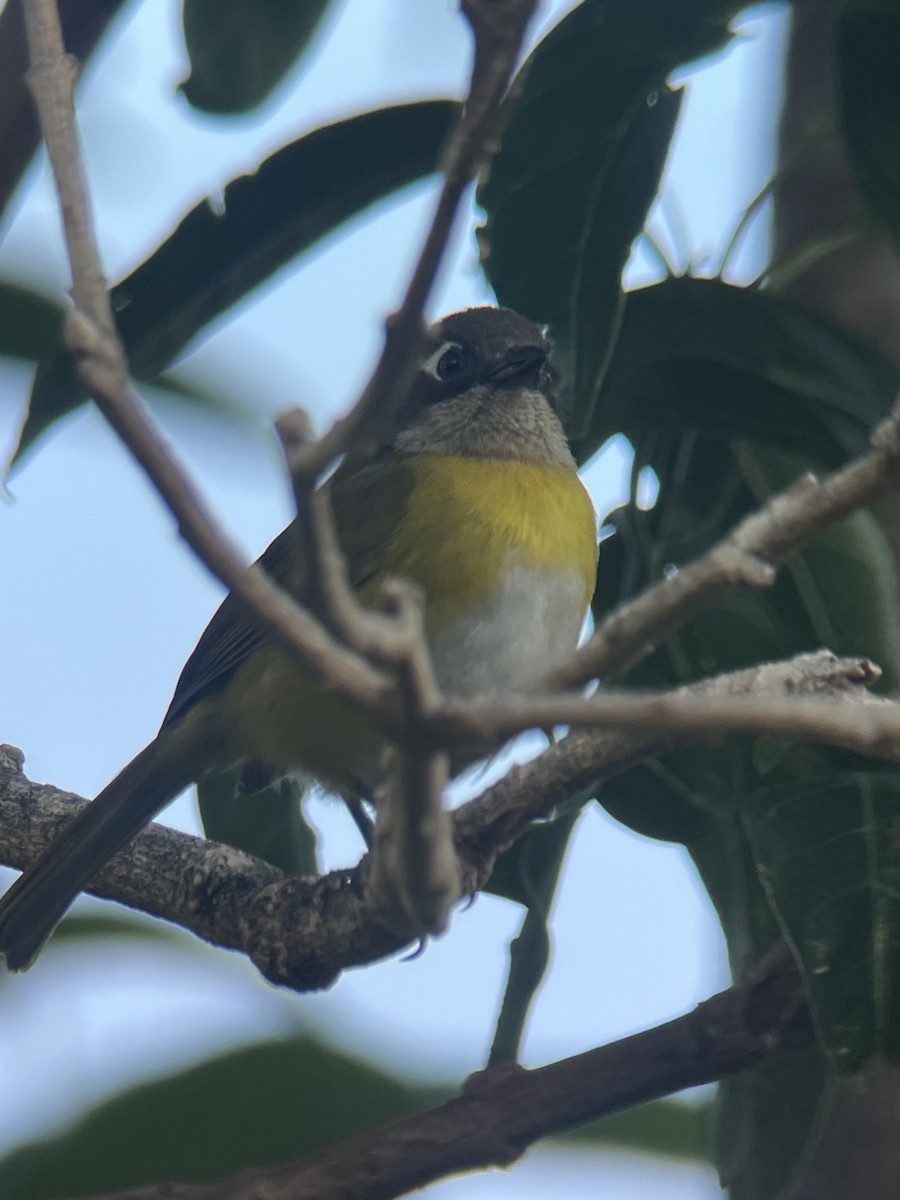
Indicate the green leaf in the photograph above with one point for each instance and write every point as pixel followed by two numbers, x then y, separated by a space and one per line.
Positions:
pixel 29 322
pixel 734 362
pixel 298 195
pixel 769 1123
pixel 616 216
pixel 669 1128
pixel 537 875
pixel 868 42
pixel 654 800
pixel 579 164
pixel 112 923
pixel 261 1104
pixel 556 241
pixel 829 859
pixel 240 50
pixel 268 824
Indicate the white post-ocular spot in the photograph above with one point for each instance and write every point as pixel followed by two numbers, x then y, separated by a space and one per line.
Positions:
pixel 430 364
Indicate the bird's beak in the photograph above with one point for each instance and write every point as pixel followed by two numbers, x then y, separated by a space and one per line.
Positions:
pixel 518 362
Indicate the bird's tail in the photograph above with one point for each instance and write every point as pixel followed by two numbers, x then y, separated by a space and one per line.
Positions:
pixel 31 909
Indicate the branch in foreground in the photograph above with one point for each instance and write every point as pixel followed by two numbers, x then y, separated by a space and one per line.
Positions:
pixel 414 881
pixel 91 336
pixel 869 725
pixel 747 557
pixel 502 1111
pixel 498 29
pixel 302 933
pixel 84 23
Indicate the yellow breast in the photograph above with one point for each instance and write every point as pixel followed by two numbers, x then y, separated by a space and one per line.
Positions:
pixel 469 520
pixel 506 555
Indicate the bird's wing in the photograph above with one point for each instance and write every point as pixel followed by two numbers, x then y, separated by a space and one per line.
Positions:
pixel 230 637
pixel 368 501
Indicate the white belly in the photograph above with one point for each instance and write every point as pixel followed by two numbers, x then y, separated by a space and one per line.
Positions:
pixel 526 627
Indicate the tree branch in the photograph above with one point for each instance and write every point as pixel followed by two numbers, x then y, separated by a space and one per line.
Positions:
pixel 504 1110
pixel 302 933
pixel 871 726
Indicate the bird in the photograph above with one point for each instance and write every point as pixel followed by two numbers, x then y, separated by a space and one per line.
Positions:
pixel 473 495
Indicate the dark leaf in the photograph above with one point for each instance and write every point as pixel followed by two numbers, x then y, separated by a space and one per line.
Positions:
pixel 29 322
pixel 529 953
pixel 653 800
pixel 769 1119
pixel 733 362
pixel 268 824
pixel 769 1122
pixel 618 209
pixel 829 857
pixel 112 923
pixel 580 163
pixel 556 241
pixel 29 329
pixel 869 99
pixel 240 50
pixel 522 871
pixel 261 1104
pixel 211 261
pixel 669 1128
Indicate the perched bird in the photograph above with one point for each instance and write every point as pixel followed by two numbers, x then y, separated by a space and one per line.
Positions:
pixel 474 498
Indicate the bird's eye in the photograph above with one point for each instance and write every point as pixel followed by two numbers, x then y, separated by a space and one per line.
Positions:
pixel 450 363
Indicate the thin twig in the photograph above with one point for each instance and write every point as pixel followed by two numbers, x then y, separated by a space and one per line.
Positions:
pixel 503 1111
pixel 326 590
pixel 302 933
pixel 871 725
pixel 414 879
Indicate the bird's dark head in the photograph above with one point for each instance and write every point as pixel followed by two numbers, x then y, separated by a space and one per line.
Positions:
pixel 484 389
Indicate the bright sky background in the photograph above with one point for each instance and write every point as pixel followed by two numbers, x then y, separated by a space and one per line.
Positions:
pixel 103 603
